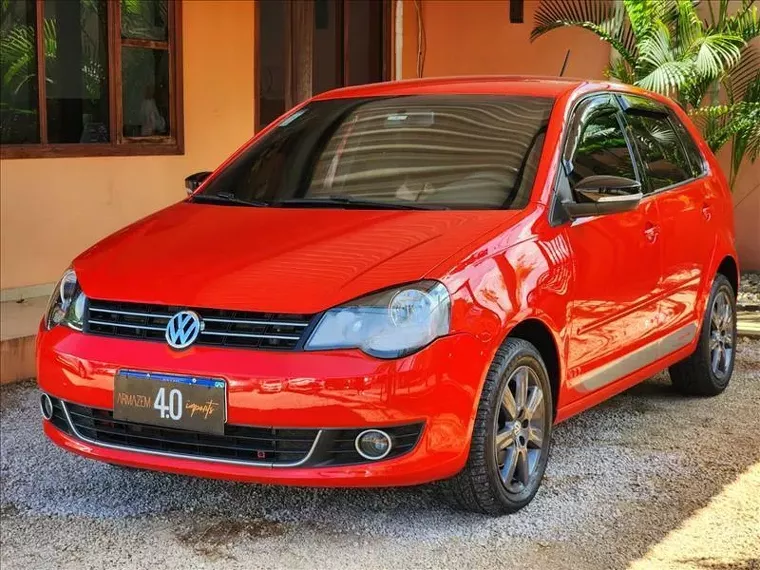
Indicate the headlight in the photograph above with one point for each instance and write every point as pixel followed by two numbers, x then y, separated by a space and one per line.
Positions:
pixel 388 324
pixel 66 306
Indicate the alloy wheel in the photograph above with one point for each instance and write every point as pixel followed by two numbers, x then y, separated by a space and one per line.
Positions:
pixel 721 334
pixel 519 429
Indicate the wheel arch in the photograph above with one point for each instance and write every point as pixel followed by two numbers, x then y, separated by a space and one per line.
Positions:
pixel 536 332
pixel 730 270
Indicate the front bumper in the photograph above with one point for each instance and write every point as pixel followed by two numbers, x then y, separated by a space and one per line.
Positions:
pixel 437 387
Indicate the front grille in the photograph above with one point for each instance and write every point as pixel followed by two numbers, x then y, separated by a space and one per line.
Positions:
pixel 221 327
pixel 255 445
pixel 239 443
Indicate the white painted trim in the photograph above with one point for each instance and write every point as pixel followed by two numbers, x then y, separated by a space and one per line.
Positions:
pixel 21 293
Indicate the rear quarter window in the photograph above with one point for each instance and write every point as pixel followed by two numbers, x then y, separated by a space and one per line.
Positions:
pixel 696 159
pixel 660 148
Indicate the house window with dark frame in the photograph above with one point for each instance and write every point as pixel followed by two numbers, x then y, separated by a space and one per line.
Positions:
pixel 90 78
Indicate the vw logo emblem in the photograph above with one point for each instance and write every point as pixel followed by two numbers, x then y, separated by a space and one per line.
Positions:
pixel 183 329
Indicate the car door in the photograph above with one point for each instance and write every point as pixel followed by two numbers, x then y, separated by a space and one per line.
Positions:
pixel 616 257
pixel 674 170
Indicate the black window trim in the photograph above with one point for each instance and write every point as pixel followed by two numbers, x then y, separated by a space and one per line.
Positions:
pixel 668 113
pixel 681 132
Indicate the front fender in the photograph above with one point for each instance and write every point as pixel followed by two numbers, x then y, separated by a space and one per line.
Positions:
pixel 529 280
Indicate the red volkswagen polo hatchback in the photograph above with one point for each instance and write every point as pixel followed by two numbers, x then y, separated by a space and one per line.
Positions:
pixel 402 283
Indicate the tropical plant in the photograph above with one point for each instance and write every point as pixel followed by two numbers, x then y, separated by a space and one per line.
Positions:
pixel 143 19
pixel 706 64
pixel 18 55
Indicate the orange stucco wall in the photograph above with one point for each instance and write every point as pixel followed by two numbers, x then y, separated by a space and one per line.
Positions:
pixel 747 215
pixel 465 37
pixel 51 209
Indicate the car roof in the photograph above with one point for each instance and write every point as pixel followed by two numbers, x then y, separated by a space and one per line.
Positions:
pixel 536 86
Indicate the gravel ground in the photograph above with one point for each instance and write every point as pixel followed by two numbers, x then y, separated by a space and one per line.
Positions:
pixel 622 478
pixel 749 290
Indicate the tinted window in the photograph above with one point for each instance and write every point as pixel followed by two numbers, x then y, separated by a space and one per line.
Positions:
pixel 599 145
pixel 463 152
pixel 145 92
pixel 696 160
pixel 660 149
pixel 77 73
pixel 19 120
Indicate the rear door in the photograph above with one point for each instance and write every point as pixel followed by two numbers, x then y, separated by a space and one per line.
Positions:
pixel 674 170
pixel 616 257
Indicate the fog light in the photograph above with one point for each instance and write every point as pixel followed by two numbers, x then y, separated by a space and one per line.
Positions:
pixel 373 444
pixel 46 406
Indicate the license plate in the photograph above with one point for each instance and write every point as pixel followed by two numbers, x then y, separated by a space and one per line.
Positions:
pixel 183 402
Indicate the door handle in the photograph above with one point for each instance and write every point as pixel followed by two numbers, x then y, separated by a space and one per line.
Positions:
pixel 707 211
pixel 651 232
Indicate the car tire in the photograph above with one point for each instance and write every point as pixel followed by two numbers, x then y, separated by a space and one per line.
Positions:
pixel 505 466
pixel 708 370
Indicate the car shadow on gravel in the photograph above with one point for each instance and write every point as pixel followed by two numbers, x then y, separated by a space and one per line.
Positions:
pixel 636 465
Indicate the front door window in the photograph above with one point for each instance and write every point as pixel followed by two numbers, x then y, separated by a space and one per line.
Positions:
pixel 597 143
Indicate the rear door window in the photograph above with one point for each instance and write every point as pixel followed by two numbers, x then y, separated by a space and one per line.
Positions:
pixel 660 148
pixel 696 159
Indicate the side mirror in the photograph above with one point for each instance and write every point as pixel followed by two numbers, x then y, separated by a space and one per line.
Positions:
pixel 193 182
pixel 601 195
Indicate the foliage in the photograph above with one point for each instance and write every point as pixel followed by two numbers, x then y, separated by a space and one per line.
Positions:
pixel 138 18
pixel 18 58
pixel 666 47
pixel 738 122
pixel 18 50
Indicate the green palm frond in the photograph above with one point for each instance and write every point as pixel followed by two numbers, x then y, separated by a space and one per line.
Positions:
pixel 659 68
pixel 716 53
pixel 712 121
pixel 18 52
pixel 665 137
pixel 740 78
pixel 738 123
pixel 752 144
pixel 644 16
pixel 687 25
pixel 745 23
pixel 666 77
pixel 620 70
pixel 657 48
pixel 746 140
pixel 605 18
pixel 665 46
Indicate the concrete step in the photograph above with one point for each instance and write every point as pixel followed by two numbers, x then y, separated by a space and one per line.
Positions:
pixel 748 323
pixel 18 328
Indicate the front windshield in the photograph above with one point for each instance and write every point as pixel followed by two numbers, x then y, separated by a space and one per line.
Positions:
pixel 432 151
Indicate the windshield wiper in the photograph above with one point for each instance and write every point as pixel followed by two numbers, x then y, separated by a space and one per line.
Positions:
pixel 227 198
pixel 357 203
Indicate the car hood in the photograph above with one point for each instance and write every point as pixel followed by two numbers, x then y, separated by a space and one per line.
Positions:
pixel 274 259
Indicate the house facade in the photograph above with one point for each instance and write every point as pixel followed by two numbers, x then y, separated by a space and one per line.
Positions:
pixel 137 94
